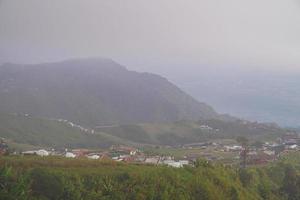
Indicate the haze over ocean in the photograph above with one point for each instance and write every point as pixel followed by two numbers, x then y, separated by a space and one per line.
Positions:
pixel 184 41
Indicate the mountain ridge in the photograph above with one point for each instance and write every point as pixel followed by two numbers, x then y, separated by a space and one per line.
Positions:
pixel 94 92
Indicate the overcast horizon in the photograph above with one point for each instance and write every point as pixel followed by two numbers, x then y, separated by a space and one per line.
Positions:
pixel 218 51
pixel 150 35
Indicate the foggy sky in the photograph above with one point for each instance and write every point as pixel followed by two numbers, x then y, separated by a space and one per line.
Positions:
pixel 154 35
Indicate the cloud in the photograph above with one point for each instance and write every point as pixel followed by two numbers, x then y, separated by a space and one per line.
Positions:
pixel 164 32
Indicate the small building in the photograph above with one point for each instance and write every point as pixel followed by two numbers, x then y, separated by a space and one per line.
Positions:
pixel 233 148
pixel 167 162
pixel 175 164
pixel 184 162
pixel 29 153
pixel 292 147
pixel 70 155
pixel 152 160
pixel 115 158
pixel 80 152
pixel 94 156
pixel 42 152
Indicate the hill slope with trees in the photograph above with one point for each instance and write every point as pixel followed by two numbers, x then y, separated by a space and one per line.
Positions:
pixel 95 92
pixel 53 133
pixel 60 178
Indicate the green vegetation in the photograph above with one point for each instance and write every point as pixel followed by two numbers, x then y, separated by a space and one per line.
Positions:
pixel 184 132
pixel 93 92
pixel 27 132
pixel 59 178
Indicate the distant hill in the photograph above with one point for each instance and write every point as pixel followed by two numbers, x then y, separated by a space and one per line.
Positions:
pixel 122 106
pixel 95 92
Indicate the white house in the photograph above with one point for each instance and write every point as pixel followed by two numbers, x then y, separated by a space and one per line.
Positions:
pixel 29 152
pixel 166 162
pixel 175 164
pixel 152 160
pixel 70 155
pixel 184 162
pixel 294 146
pixel 95 157
pixel 133 152
pixel 42 152
pixel 233 148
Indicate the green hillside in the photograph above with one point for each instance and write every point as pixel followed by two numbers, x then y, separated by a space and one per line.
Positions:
pixel 21 131
pixel 26 132
pixel 95 92
pixel 184 132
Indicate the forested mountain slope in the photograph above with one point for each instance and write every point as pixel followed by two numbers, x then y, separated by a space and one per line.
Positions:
pixel 94 92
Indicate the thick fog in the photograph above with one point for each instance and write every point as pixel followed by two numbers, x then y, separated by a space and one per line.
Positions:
pixel 152 35
pixel 195 43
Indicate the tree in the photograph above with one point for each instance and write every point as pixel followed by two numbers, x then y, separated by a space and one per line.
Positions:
pixel 12 186
pixel 290 186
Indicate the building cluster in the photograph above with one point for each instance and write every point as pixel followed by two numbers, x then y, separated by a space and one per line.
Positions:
pixel 253 154
pixel 270 151
pixel 117 153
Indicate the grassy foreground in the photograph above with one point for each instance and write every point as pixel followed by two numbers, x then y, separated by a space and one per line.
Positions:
pixel 60 178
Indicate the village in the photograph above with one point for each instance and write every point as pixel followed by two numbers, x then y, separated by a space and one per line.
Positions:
pixel 233 154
